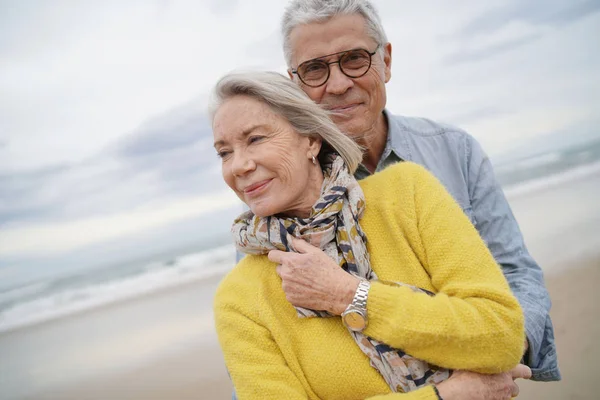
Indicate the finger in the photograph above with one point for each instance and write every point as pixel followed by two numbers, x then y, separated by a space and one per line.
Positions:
pixel 521 371
pixel 276 256
pixel 302 246
pixel 278 270
pixel 514 390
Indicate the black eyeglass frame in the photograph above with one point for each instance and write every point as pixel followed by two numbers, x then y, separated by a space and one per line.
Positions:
pixel 328 64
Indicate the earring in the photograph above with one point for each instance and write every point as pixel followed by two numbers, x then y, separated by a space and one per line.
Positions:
pixel 314 160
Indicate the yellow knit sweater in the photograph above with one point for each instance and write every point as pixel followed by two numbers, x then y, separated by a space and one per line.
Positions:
pixel 417 234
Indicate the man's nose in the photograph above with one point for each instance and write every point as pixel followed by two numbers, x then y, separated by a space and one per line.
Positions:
pixel 338 83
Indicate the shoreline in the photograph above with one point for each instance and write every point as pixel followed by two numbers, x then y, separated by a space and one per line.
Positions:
pixel 519 189
pixel 140 297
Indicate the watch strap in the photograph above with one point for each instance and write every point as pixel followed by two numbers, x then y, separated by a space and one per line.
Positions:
pixel 360 296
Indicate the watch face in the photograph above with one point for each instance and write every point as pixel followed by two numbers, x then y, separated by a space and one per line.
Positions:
pixel 354 321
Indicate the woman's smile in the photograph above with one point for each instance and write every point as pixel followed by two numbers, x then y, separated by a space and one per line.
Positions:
pixel 256 189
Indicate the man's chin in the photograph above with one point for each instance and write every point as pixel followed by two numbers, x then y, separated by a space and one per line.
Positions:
pixel 342 117
pixel 350 129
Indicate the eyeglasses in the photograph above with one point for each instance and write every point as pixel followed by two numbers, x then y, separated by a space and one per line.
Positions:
pixel 353 63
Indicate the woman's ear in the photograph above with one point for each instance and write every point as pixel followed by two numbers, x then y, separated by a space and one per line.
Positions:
pixel 314 145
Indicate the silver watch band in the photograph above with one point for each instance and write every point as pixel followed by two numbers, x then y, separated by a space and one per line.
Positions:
pixel 360 297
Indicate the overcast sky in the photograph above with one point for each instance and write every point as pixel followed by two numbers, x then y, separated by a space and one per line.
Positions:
pixel 105 146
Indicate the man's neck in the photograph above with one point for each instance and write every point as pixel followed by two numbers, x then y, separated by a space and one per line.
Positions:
pixel 374 143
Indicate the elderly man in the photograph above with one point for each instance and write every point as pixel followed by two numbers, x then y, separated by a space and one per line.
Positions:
pixel 338 53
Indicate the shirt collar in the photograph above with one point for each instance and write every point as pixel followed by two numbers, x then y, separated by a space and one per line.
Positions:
pixel 397 142
pixel 396 147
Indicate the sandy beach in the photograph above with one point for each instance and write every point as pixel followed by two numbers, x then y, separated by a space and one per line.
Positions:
pixel 575 312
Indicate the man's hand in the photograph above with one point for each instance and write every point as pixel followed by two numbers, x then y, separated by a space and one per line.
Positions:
pixel 311 279
pixel 465 385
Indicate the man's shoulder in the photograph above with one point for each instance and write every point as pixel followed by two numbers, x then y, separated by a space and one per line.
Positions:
pixel 426 137
pixel 448 152
pixel 421 127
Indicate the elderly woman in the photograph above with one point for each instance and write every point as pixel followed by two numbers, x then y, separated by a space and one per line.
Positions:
pixel 417 290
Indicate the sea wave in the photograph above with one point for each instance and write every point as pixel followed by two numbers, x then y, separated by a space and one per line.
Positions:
pixel 535 185
pixel 152 277
pixel 537 161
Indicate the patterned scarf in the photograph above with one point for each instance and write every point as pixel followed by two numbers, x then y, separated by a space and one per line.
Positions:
pixel 333 226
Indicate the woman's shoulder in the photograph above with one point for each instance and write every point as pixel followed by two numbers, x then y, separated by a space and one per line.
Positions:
pixel 401 177
pixel 244 278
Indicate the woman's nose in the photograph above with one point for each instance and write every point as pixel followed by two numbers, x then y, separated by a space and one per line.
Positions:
pixel 242 164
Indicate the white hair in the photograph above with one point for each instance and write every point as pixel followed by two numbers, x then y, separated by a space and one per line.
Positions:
pixel 300 12
pixel 285 98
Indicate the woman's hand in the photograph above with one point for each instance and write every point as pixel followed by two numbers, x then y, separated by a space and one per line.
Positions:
pixel 310 279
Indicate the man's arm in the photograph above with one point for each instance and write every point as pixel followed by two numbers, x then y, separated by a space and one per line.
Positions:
pixel 497 226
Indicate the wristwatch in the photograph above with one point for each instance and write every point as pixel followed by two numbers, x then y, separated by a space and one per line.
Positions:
pixel 355 315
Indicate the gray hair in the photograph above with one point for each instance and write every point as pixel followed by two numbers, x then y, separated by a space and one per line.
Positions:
pixel 300 12
pixel 288 100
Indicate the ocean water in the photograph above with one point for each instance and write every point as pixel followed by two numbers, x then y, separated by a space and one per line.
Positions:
pixel 46 300
pixel 541 170
pixel 42 301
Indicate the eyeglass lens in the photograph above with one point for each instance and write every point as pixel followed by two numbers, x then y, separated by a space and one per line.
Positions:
pixel 354 63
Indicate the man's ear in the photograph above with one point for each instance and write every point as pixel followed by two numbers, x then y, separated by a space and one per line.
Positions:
pixel 289 71
pixel 387 60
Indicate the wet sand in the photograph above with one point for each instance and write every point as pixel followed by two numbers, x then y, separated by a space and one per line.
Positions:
pixel 576 317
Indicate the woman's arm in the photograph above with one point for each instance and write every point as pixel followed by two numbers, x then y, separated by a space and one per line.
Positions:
pixel 256 364
pixel 473 322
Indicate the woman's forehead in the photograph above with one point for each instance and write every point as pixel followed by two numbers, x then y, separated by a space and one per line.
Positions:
pixel 242 108
pixel 241 114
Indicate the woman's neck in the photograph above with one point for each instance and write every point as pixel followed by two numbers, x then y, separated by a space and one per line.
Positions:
pixel 310 197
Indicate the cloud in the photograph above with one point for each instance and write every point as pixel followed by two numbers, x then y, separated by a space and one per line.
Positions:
pixel 473 55
pixel 8 271
pixel 504 28
pixel 555 13
pixel 47 239
pixel 223 7
pixel 92 72
pixel 471 113
pixel 267 51
pixel 181 127
pixel 170 155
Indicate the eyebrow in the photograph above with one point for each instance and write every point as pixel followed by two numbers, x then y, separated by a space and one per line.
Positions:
pixel 329 55
pixel 245 133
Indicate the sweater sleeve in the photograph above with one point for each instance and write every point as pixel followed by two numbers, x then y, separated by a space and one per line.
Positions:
pixel 255 363
pixel 425 393
pixel 473 322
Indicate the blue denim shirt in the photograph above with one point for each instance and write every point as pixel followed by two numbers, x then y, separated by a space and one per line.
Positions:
pixel 462 166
